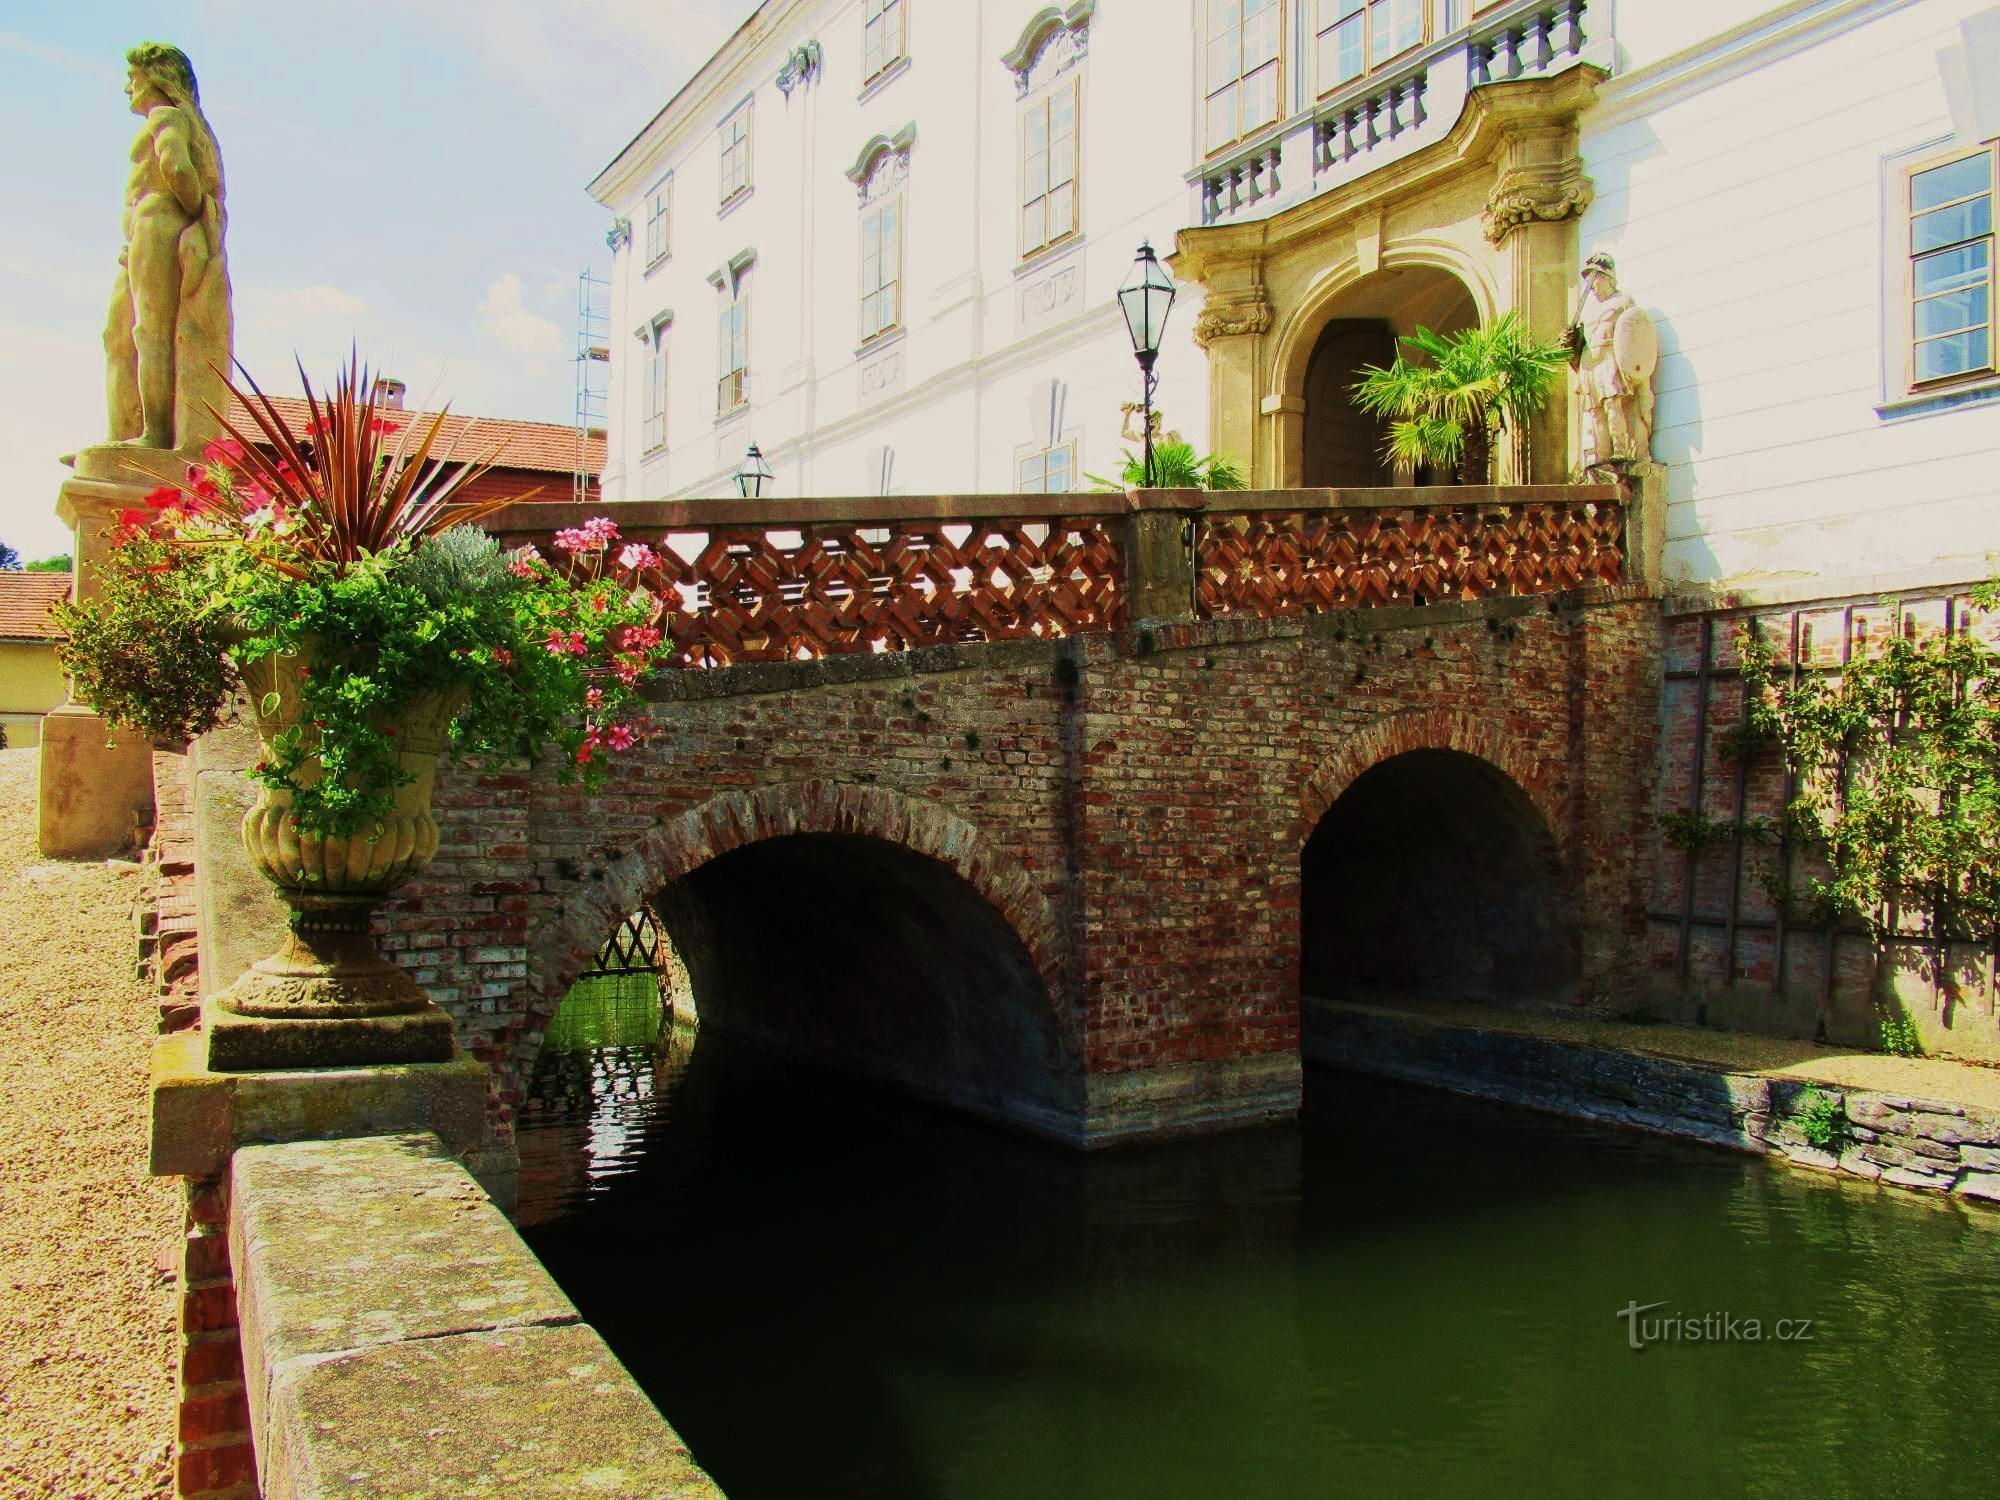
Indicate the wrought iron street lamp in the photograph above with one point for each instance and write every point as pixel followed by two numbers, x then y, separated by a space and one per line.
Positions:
pixel 1145 299
pixel 754 477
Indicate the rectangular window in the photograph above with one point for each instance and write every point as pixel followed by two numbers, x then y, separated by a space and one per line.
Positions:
pixel 1048 169
pixel 656 223
pixel 1050 472
pixel 881 36
pixel 1244 47
pixel 656 393
pixel 732 389
pixel 881 268
pixel 735 137
pixel 1951 268
pixel 1355 36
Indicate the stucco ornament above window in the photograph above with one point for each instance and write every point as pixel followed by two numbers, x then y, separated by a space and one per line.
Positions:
pixel 883 164
pixel 802 65
pixel 1054 41
pixel 1228 317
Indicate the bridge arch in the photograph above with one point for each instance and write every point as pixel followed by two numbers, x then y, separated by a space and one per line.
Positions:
pixel 804 845
pixel 1431 867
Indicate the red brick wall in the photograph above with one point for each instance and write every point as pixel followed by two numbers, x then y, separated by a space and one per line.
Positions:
pixel 1134 805
pixel 213 1458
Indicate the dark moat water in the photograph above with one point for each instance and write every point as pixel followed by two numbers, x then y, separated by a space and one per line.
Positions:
pixel 831 1292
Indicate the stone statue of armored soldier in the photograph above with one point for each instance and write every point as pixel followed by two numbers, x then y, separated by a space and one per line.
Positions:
pixel 1614 350
pixel 167 338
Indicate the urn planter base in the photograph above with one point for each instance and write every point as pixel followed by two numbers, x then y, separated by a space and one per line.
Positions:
pixel 326 999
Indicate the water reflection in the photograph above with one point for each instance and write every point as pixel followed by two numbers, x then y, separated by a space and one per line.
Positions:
pixel 1403 1294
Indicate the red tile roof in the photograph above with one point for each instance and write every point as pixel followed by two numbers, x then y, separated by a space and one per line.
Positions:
pixel 536 447
pixel 24 605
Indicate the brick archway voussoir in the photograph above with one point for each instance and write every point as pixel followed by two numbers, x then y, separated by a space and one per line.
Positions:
pixel 1428 729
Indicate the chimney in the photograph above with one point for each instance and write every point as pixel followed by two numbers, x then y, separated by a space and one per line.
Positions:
pixel 389 392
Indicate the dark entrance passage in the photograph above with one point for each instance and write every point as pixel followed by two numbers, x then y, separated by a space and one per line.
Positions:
pixel 1434 876
pixel 860 954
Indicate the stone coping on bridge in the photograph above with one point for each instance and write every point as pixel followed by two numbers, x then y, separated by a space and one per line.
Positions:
pixel 400 1340
pixel 1924 1124
pixel 537 518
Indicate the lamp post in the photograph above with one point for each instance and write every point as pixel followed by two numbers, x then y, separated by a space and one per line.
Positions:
pixel 754 477
pixel 1145 298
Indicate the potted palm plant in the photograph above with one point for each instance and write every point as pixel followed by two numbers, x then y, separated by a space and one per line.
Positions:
pixel 1448 408
pixel 339 579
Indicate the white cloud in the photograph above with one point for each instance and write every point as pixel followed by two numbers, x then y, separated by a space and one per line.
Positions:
pixel 505 316
pixel 315 304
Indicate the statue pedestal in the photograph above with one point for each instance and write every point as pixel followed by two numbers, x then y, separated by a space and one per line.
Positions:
pixel 96 785
pixel 1646 523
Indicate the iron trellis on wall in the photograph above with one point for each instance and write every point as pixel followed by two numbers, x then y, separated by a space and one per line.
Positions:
pixel 633 947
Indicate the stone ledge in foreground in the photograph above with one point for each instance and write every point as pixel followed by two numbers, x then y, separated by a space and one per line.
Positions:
pixel 400 1339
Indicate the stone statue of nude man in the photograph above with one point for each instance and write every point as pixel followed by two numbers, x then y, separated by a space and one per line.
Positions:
pixel 168 337
pixel 1614 349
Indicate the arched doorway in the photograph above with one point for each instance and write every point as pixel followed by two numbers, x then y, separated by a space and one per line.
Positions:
pixel 1435 877
pixel 1342 443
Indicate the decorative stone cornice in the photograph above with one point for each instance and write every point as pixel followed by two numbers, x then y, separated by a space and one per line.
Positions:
pixel 1054 40
pixel 1525 195
pixel 1231 318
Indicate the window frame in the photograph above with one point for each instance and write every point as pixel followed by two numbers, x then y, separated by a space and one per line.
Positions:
pixel 871 212
pixel 1907 337
pixel 735 308
pixel 653 426
pixel 1433 17
pixel 1280 60
pixel 1066 446
pixel 659 211
pixel 888 61
pixel 738 148
pixel 1070 83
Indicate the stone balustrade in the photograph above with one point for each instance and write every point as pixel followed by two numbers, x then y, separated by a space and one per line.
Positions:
pixel 1396 109
pixel 801 579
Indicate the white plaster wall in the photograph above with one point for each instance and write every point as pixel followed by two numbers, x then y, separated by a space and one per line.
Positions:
pixel 1741 191
pixel 959 407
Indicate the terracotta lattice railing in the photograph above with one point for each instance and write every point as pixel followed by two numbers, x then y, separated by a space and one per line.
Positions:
pixel 1281 553
pixel 797 579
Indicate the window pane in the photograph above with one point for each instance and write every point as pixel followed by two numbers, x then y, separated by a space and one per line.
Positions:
pixel 1062 210
pixel 1062 159
pixel 1222 116
pixel 1225 61
pixel 1948 270
pixel 1036 181
pixel 1380 30
pixel 1260 97
pixel 1260 35
pixel 1953 355
pixel 1952 311
pixel 1031 474
pixel 1062 115
pixel 1058 471
pixel 1031 225
pixel 1409 23
pixel 1959 179
pixel 1944 226
pixel 1340 53
pixel 1222 16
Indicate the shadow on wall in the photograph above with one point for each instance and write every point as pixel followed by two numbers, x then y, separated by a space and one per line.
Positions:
pixel 1677 413
pixel 1434 875
pixel 857 953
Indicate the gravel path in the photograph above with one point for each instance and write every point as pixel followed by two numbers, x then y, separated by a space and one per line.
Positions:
pixel 87 1334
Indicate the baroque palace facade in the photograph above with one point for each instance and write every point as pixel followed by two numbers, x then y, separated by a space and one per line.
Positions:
pixel 881 238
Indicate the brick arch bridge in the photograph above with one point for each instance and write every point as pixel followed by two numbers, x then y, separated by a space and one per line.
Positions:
pixel 1088 742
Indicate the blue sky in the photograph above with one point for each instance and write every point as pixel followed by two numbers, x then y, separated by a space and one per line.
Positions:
pixel 406 175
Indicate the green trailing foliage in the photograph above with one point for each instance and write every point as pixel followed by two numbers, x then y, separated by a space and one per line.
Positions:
pixel 1822 1120
pixel 1896 768
pixel 1476 384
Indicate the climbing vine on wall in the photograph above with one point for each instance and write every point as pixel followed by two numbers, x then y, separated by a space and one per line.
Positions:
pixel 1896 772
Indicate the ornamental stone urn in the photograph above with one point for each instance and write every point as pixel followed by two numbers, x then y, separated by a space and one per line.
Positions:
pixel 327 998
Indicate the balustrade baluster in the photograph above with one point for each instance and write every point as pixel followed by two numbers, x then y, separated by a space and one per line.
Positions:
pixel 1573 17
pixel 1507 53
pixel 1543 25
pixel 1475 64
